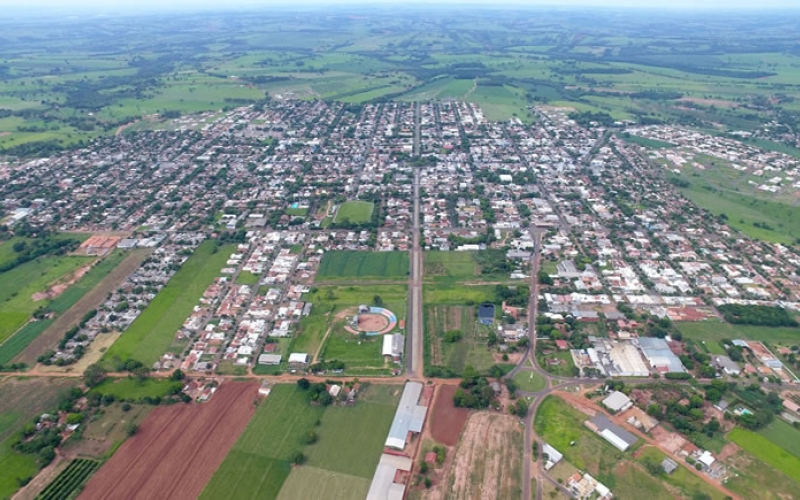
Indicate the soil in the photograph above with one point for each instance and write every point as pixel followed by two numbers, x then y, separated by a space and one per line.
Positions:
pixel 727 452
pixel 372 322
pixel 487 463
pixel 176 449
pixel 447 421
pixel 62 286
pixel 94 297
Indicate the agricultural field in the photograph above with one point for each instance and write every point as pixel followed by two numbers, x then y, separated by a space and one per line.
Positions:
pixel 716 331
pixel 753 474
pixel 322 333
pixel 784 435
pixel 148 338
pixel 70 480
pixel 279 429
pixel 354 212
pixel 346 265
pixel 176 450
pixel 16 409
pixel 768 452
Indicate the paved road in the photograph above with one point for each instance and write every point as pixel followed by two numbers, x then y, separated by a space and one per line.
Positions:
pixel 414 342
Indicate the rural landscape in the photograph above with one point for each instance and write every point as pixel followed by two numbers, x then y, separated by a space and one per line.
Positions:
pixel 391 252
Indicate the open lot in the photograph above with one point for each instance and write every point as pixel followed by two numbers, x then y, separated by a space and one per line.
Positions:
pixel 354 212
pixel 487 463
pixel 446 420
pixel 450 266
pixel 132 389
pixel 363 265
pixel 681 482
pixel 177 448
pixel 17 407
pixel 752 476
pixel 153 331
pixel 470 350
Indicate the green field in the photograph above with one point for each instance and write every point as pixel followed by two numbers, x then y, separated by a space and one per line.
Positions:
pixel 372 265
pixel 247 278
pixel 309 482
pixel 70 480
pixel 354 212
pixel 767 451
pixel 784 435
pixel 716 331
pixel 17 407
pixel 442 294
pixel 148 338
pixel 259 463
pixel 132 389
pixel 20 340
pixel 688 484
pixel 450 266
pixel 471 350
pixel 21 282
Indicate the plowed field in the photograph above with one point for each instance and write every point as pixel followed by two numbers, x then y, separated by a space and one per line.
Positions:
pixel 447 421
pixel 177 449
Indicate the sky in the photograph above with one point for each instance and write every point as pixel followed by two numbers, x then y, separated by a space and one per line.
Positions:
pixel 139 5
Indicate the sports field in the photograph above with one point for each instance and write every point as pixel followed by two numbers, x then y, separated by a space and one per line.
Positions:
pixel 372 265
pixel 355 212
pixel 153 331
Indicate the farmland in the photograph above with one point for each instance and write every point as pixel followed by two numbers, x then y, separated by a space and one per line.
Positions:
pixel 283 420
pixel 70 480
pixel 767 451
pixel 354 212
pixel 345 265
pixel 784 435
pixel 177 448
pixel 152 332
pixel 16 408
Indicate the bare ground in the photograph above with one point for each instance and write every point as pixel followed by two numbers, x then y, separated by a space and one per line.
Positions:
pixel 487 463
pixel 62 285
pixel 52 335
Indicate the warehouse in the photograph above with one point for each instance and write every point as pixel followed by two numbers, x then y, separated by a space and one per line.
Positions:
pixel 660 356
pixel 611 432
pixel 410 416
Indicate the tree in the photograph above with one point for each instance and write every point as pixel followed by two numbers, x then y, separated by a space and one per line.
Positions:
pixel 303 384
pixel 93 375
pixel 453 336
pixel 311 437
pixel 177 375
pixel 377 301
pixel 298 458
pixel 521 408
pixel 131 429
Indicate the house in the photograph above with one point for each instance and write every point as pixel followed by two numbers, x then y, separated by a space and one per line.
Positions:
pixel 669 465
pixel 298 360
pixel 726 365
pixel 561 344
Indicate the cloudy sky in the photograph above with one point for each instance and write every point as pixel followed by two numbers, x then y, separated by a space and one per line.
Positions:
pixel 107 6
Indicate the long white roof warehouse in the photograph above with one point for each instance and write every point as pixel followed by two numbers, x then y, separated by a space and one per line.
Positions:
pixel 409 417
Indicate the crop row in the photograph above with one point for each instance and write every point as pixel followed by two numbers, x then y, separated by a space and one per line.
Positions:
pixel 70 479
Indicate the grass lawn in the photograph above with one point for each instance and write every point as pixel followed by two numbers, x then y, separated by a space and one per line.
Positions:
pixel 450 266
pixel 767 451
pixel 716 331
pixel 132 389
pixel 560 424
pixel 17 407
pixel 529 381
pixel 565 367
pixel 376 265
pixel 247 278
pixel 355 212
pixel 784 435
pixel 21 282
pixel 689 484
pixel 458 294
pixel 153 331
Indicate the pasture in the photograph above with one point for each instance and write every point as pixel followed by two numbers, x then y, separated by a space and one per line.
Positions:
pixel 784 435
pixel 149 336
pixel 344 265
pixel 354 212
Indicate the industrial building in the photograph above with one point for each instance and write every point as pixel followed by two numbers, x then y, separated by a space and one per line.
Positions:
pixel 660 356
pixel 617 402
pixel 611 432
pixel 383 486
pixel 409 417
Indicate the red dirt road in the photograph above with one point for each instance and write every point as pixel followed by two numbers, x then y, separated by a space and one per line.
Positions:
pixel 447 421
pixel 177 449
